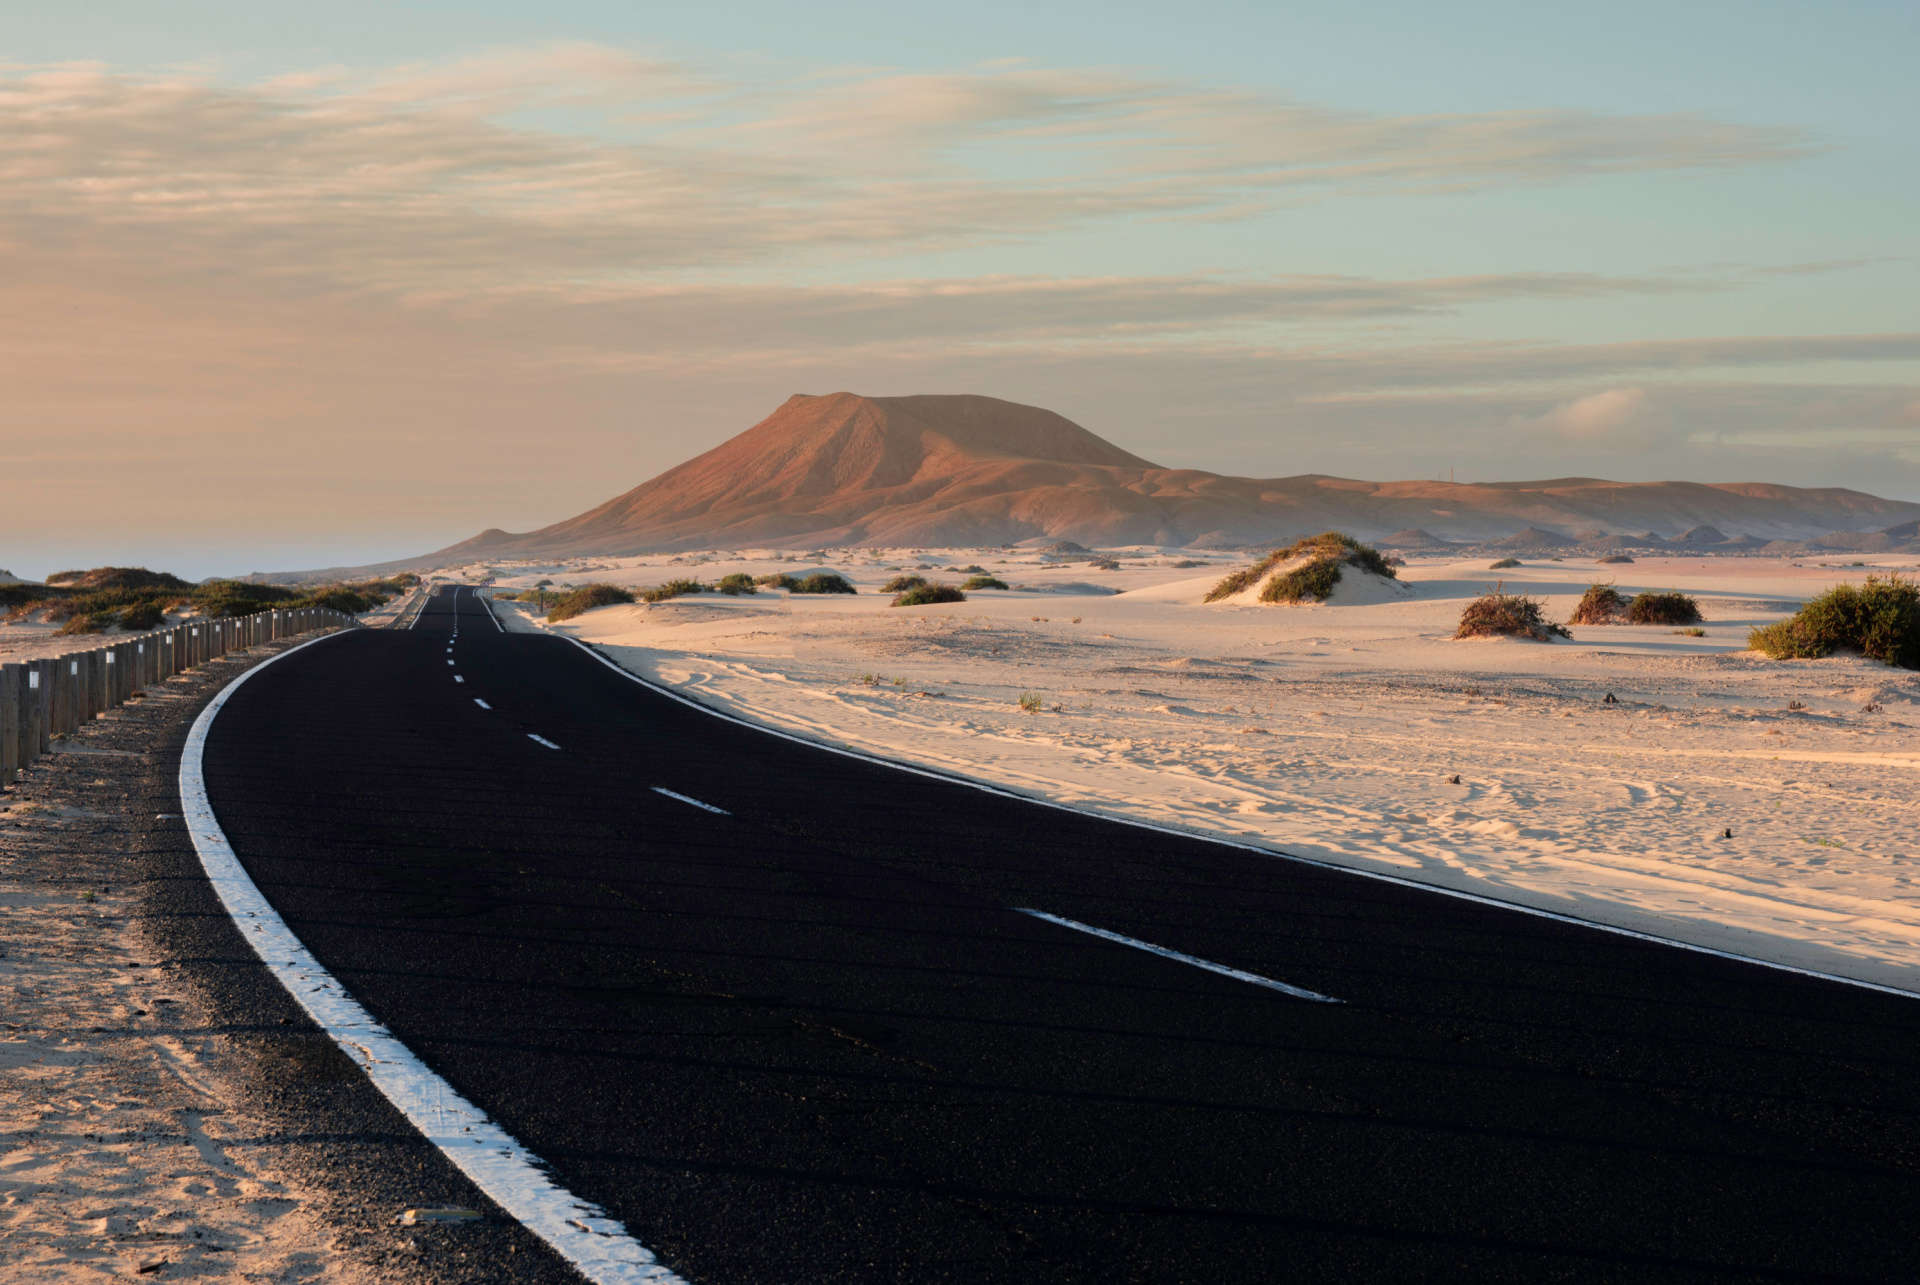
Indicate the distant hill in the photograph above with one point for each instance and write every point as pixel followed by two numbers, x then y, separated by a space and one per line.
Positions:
pixel 1534 538
pixel 843 469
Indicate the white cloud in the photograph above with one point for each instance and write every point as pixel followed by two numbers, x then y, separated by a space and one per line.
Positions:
pixel 1597 415
pixel 421 178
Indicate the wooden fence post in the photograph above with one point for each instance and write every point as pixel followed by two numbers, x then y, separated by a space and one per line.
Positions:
pixel 39 707
pixel 11 741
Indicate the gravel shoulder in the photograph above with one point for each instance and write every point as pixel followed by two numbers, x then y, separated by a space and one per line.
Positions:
pixel 165 1110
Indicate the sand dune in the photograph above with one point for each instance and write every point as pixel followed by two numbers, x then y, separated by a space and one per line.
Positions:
pixel 1336 730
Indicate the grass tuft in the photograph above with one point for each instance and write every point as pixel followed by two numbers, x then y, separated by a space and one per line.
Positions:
pixel 733 585
pixel 984 582
pixel 901 584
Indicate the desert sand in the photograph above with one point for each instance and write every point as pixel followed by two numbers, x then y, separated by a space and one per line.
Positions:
pixel 1721 798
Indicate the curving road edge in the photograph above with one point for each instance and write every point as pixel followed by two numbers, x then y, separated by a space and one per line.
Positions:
pixel 1227 841
pixel 512 1177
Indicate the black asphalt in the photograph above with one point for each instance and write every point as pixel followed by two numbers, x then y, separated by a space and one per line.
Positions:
pixel 812 1040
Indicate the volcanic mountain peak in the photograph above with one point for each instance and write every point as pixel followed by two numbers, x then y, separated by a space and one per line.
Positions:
pixel 931 426
pixel 963 469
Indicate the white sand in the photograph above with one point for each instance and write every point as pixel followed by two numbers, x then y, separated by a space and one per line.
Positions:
pixel 1332 731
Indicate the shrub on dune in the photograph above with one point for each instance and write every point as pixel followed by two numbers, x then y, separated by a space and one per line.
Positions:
pixel 901 584
pixel 1507 615
pixel 146 614
pixel 822 582
pixel 923 594
pixel 777 580
pixel 1601 604
pixel 737 583
pixel 984 582
pixel 87 622
pixel 673 589
pixel 1313 580
pixel 1309 582
pixel 1613 559
pixel 1503 564
pixel 586 598
pixel 1663 609
pixel 1879 619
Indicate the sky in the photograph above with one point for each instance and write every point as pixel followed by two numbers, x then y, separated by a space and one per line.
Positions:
pixel 298 285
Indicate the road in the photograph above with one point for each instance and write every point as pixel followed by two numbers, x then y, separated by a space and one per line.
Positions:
pixel 788 1016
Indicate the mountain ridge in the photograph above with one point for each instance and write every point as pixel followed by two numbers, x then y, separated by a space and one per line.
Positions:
pixel 965 469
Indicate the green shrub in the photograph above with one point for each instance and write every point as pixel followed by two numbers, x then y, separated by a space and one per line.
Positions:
pixel 822 582
pixel 147 614
pixel 777 580
pixel 737 583
pixel 1332 546
pixel 1663 609
pixel 351 601
pixel 87 622
pixel 586 598
pixel 119 578
pixel 901 584
pixel 1309 582
pixel 923 594
pixel 136 596
pixel 984 582
pixel 1503 564
pixel 1509 615
pixel 1601 604
pixel 1880 620
pixel 671 589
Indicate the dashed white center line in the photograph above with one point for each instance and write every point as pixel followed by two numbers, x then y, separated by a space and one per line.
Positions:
pixel 482 704
pixel 458 679
pixel 1237 974
pixel 535 736
pixel 704 807
pixel 449 662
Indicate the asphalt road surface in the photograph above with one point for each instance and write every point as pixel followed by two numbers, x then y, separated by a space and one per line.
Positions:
pixel 783 1012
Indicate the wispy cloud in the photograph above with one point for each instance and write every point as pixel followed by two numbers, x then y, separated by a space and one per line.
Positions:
pixel 428 177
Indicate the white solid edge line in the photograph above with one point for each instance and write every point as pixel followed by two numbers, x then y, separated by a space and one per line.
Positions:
pixel 1378 876
pixel 482 704
pixel 486 605
pixel 1238 974
pixel 513 1177
pixel 705 807
pixel 535 736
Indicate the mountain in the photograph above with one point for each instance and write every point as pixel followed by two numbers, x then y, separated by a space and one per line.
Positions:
pixel 843 469
pixel 1412 538
pixel 1534 538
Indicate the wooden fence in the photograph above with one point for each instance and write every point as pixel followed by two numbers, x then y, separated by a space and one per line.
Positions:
pixel 42 699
